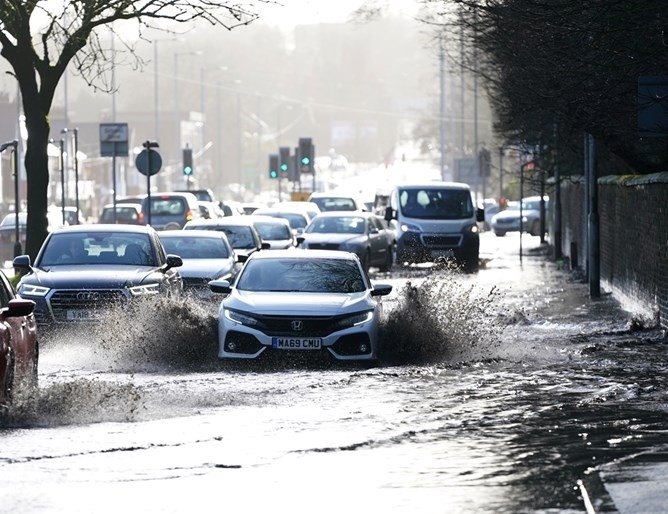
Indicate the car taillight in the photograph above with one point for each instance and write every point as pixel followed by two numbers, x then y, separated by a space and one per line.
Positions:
pixel 140 218
pixel 189 215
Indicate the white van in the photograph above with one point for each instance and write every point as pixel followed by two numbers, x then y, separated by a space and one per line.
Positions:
pixel 435 220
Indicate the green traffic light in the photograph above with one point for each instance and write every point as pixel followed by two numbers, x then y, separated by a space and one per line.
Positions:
pixel 187 170
pixel 284 167
pixel 306 161
pixel 273 174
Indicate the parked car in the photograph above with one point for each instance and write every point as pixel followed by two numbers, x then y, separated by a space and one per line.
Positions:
pixel 362 233
pixel 240 232
pixel 332 201
pixel 126 214
pixel 275 231
pixel 206 255
pixel 298 219
pixel 300 304
pixel 8 235
pixel 19 347
pixel 508 220
pixel 202 195
pixel 83 270
pixel 170 211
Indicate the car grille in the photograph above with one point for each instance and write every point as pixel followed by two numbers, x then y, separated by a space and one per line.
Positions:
pixel 196 283
pixel 434 241
pixel 507 221
pixel 311 326
pixel 88 300
pixel 323 246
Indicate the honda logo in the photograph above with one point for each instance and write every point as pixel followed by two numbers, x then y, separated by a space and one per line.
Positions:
pixel 297 325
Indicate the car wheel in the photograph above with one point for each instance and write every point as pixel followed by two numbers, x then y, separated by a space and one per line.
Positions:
pixel 499 233
pixel 389 258
pixel 9 378
pixel 535 228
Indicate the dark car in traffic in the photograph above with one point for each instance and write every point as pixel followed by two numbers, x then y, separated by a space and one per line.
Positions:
pixel 240 232
pixel 19 348
pixel 361 233
pixel 206 255
pixel 82 271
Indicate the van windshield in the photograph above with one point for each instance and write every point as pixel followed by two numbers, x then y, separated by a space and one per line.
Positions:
pixel 436 203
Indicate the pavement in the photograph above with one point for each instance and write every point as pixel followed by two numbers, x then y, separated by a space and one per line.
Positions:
pixel 638 483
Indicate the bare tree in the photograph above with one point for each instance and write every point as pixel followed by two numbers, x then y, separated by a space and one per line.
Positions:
pixel 40 39
pixel 575 65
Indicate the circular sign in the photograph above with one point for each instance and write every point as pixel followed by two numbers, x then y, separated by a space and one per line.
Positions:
pixel 142 162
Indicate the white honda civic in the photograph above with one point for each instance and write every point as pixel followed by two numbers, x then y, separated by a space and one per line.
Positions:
pixel 300 304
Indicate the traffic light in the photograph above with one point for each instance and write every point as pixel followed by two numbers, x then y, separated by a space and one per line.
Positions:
pixel 306 155
pixel 284 160
pixel 187 161
pixel 273 165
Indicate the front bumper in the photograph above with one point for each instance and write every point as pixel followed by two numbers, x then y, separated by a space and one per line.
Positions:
pixel 426 247
pixel 237 341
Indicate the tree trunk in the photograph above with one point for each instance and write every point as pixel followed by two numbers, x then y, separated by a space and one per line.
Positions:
pixel 37 174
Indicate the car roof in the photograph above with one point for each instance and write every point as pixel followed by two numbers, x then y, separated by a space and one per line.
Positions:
pixel 104 227
pixel 269 219
pixel 434 185
pixel 123 206
pixel 227 221
pixel 259 212
pixel 305 254
pixel 211 234
pixel 346 214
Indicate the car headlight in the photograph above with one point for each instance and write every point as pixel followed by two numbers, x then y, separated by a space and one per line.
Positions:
pixel 144 290
pixel 242 319
pixel 354 320
pixel 32 290
pixel 471 229
pixel 409 227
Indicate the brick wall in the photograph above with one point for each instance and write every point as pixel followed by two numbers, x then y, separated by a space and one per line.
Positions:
pixel 633 214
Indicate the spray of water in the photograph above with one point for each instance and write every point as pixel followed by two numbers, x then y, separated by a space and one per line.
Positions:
pixel 439 320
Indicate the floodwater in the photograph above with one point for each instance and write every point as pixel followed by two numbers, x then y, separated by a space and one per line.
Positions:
pixel 503 391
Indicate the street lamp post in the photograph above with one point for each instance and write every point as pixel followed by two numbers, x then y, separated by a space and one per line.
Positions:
pixel 75 150
pixel 62 177
pixel 15 164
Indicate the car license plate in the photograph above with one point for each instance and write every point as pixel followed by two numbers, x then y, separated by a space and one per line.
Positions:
pixel 81 315
pixel 296 343
pixel 442 253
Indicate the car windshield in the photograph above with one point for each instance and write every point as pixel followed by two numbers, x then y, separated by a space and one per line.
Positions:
pixel 196 247
pixel 239 236
pixel 167 206
pixel 273 231
pixel 435 203
pixel 10 220
pixel 336 225
pixel 302 275
pixel 123 214
pixel 85 248
pixel 335 204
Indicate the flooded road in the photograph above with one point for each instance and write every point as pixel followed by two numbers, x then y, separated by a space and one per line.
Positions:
pixel 503 391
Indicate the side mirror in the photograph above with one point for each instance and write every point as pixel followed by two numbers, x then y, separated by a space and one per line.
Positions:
pixel 173 261
pixel 22 262
pixel 480 214
pixel 389 214
pixel 265 246
pixel 220 286
pixel 300 240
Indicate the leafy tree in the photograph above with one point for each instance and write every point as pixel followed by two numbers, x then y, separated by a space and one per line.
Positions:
pixel 41 38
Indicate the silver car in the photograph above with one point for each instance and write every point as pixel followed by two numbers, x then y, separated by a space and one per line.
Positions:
pixel 300 304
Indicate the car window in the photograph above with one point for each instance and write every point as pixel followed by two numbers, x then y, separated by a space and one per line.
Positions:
pixel 196 247
pixel 305 275
pixel 83 248
pixel 5 294
pixel 335 204
pixel 436 203
pixel 167 206
pixel 273 231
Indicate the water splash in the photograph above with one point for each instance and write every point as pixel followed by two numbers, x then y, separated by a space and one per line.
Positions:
pixel 439 320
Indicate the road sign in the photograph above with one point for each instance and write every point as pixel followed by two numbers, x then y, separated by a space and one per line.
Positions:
pixel 142 162
pixel 113 139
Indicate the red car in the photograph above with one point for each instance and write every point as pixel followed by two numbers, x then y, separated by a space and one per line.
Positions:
pixel 19 350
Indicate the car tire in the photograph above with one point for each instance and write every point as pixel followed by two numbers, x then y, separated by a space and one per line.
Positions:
pixel 499 233
pixel 534 230
pixel 389 259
